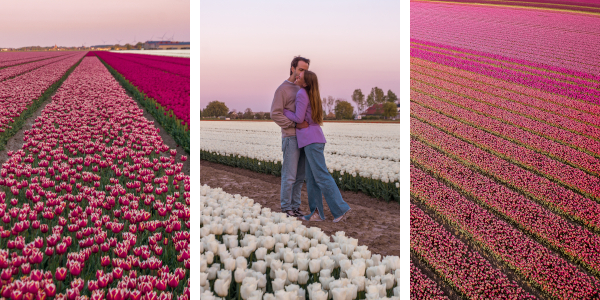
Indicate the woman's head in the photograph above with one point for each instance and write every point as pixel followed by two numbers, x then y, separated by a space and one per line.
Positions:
pixel 311 85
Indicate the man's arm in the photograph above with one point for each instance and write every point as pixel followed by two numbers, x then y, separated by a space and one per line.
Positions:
pixel 277 111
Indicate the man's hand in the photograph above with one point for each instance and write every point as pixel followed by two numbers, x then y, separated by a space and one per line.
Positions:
pixel 302 125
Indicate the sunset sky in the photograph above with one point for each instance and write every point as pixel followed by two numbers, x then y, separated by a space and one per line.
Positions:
pixel 246 48
pixel 74 22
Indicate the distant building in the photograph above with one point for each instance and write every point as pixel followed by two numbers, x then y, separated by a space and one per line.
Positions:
pixel 165 45
pixel 375 110
pixel 101 47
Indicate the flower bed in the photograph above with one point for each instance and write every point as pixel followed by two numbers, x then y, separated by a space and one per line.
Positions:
pixel 249 252
pixel 90 206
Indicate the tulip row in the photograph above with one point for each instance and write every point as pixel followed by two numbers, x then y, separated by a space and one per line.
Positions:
pixel 178 128
pixel 11 72
pixel 517 33
pixel 515 70
pixel 465 270
pixel 249 252
pixel 555 277
pixel 539 104
pixel 575 242
pixel 515 61
pixel 383 189
pixel 544 100
pixel 17 58
pixel 565 137
pixel 563 122
pixel 562 178
pixel 91 209
pixel 160 63
pixel 169 90
pixel 20 97
pixel 572 5
pixel 422 287
pixel 566 202
pixel 565 154
pixel 151 56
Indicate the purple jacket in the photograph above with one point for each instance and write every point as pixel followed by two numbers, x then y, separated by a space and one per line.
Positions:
pixel 313 133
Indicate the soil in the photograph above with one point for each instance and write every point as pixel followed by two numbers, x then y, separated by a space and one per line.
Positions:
pixel 374 222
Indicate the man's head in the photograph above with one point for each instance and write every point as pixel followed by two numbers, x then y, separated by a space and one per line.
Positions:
pixel 298 66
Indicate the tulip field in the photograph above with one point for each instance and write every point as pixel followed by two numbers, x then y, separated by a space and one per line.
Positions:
pixel 361 157
pixel 505 152
pixel 250 252
pixel 94 205
pixel 161 84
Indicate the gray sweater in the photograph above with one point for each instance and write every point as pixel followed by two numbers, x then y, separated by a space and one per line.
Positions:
pixel 285 97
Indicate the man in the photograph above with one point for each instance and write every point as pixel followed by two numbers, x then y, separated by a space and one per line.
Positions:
pixel 292 169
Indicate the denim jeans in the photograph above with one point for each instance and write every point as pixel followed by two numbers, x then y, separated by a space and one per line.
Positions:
pixel 319 184
pixel 292 173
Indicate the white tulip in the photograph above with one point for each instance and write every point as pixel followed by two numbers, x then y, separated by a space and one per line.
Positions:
pixel 314 265
pixel 224 274
pixel 325 273
pixel 319 295
pixel 359 282
pixel 203 279
pixel 222 287
pixel 207 295
pixel 288 256
pixel 212 273
pixel 229 264
pixel 241 263
pixel 303 264
pixel 239 275
pixel 325 281
pixel 269 296
pixel 260 253
pixel 203 263
pixel 303 277
pixel 209 256
pixel 262 280
pixel 276 264
pixel 339 293
pixel 388 281
pixel 278 284
pixel 292 274
pixel 282 274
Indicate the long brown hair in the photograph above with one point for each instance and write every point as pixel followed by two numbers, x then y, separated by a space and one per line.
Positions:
pixel 312 88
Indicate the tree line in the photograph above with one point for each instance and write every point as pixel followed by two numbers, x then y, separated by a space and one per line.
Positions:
pixel 333 108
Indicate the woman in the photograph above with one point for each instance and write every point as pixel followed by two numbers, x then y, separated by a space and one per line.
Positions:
pixel 319 182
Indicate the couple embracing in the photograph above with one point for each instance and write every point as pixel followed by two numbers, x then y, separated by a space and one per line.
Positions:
pixel 298 110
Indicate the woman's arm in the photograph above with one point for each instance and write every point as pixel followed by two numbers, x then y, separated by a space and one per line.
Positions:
pixel 301 107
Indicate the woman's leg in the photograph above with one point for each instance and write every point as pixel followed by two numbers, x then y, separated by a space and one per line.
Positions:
pixel 316 159
pixel 315 197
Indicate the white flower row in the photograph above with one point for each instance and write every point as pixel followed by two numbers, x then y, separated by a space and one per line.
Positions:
pixel 368 150
pixel 235 231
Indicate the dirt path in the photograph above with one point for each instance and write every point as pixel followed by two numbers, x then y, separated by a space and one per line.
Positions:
pixel 374 222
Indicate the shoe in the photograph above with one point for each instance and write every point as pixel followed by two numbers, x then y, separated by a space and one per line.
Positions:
pixel 314 218
pixel 342 217
pixel 290 214
pixel 298 212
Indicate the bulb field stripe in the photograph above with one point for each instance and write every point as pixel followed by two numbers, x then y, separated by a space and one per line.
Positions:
pixel 18 58
pixel 422 287
pixel 465 270
pixel 90 205
pixel 575 242
pixel 543 269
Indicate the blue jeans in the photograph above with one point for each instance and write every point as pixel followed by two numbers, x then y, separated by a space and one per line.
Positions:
pixel 292 173
pixel 319 184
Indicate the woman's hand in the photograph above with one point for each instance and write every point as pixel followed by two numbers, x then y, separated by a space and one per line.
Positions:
pixel 302 125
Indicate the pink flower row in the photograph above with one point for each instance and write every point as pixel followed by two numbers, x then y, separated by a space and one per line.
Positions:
pixel 555 133
pixel 464 269
pixel 539 187
pixel 18 93
pixel 564 106
pixel 541 82
pixel 555 170
pixel 572 240
pixel 536 263
pixel 20 69
pixel 171 91
pixel 545 146
pixel 423 287
pixel 88 184
pixel 545 37
pixel 14 58
pixel 148 61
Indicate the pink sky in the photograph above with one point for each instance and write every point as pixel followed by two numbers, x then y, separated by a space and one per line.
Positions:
pixel 74 22
pixel 246 48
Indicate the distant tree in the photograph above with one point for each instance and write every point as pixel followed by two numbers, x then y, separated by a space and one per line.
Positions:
pixel 248 114
pixel 268 115
pixel 216 109
pixel 375 96
pixel 232 114
pixel 128 46
pixel 343 110
pixel 359 98
pixel 391 97
pixel 389 109
pixel 260 115
pixel 240 115
pixel 139 45
pixel 330 103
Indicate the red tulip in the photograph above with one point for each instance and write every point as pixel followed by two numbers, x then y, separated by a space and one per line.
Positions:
pixel 61 274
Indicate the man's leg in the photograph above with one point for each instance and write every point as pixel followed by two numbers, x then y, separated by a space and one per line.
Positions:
pixel 300 175
pixel 289 168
